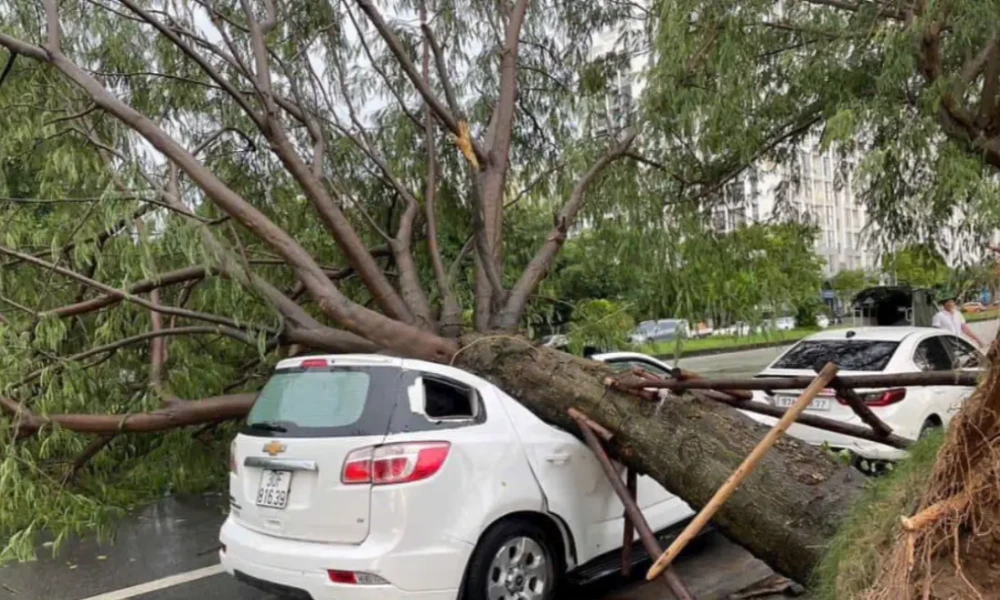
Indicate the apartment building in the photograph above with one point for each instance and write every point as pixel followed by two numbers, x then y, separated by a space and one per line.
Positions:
pixel 817 186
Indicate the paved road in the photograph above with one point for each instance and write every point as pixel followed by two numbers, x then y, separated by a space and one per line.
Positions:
pixel 178 537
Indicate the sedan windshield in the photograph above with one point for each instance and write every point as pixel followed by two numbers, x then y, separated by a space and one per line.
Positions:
pixel 849 355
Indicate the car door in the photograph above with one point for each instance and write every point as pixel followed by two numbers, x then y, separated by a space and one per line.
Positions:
pixel 965 357
pixel 571 479
pixel 660 507
pixel 933 354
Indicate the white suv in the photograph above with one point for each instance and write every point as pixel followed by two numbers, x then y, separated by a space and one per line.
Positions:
pixel 364 476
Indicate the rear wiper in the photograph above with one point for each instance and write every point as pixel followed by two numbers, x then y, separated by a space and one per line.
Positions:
pixel 267 426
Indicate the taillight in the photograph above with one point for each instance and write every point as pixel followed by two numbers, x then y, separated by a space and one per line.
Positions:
pixel 343 577
pixel 396 463
pixel 881 398
pixel 355 578
pixel 358 467
pixel 232 458
pixel 314 363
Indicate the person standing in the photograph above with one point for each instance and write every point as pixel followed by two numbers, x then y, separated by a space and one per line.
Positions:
pixel 950 319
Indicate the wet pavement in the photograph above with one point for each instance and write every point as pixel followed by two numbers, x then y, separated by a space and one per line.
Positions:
pixel 178 537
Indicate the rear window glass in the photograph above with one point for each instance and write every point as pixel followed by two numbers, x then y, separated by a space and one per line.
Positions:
pixel 850 355
pixel 325 402
pixel 312 399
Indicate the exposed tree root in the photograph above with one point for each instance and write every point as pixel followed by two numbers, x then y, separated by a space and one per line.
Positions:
pixel 950 545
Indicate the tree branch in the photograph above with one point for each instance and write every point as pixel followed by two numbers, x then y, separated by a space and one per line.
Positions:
pixel 442 70
pixel 231 332
pixel 381 71
pixel 451 312
pixel 53 33
pixel 140 287
pixel 443 114
pixel 184 47
pixel 178 414
pixel 7 68
pixel 19 47
pixel 120 294
pixel 343 233
pixel 383 331
pixel 538 268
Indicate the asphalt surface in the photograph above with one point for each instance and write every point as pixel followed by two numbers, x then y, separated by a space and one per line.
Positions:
pixel 178 537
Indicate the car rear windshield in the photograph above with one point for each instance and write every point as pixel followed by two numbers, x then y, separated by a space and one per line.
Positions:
pixel 850 355
pixel 325 402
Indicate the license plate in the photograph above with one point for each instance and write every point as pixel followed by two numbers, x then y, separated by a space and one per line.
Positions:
pixel 274 486
pixel 816 404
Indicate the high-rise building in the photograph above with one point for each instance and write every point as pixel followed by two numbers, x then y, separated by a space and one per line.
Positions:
pixel 817 186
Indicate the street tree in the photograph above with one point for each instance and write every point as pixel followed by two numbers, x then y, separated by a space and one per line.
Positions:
pixel 917 265
pixel 224 186
pixel 281 211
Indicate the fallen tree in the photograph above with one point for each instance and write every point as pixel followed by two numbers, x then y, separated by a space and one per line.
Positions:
pixel 245 233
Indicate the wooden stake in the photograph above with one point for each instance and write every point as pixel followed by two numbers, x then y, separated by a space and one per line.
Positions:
pixel 863 411
pixel 632 483
pixel 631 507
pixel 741 473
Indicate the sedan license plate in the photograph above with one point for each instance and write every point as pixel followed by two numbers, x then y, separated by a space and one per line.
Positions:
pixel 816 404
pixel 274 486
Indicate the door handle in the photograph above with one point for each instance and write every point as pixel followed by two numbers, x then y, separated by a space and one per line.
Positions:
pixel 558 458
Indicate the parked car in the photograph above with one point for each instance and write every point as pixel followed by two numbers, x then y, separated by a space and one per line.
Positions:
pixel 622 361
pixel 784 323
pixel 557 340
pixel 738 329
pixel 365 476
pixel 702 330
pixel 910 411
pixel 663 330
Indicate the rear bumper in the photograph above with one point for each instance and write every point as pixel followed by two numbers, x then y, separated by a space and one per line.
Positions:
pixel 818 437
pixel 294 567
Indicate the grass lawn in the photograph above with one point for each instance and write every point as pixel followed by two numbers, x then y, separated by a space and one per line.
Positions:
pixel 727 342
pixel 983 316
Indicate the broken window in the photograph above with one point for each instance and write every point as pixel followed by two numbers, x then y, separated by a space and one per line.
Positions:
pixel 447 400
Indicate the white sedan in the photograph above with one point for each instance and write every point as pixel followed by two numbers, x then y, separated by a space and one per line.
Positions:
pixel 910 411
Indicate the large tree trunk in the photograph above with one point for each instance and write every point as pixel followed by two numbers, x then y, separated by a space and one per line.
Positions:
pixel 785 513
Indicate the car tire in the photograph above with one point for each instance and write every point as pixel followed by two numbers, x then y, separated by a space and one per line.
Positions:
pixel 514 560
pixel 928 427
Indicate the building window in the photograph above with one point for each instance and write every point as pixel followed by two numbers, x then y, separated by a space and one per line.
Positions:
pixel 719 219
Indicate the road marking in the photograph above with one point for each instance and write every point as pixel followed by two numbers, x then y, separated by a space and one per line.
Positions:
pixel 159 584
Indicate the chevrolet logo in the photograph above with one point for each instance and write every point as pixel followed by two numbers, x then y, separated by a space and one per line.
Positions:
pixel 274 448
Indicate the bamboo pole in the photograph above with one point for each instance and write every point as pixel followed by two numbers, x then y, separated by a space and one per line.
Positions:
pixel 631 508
pixel 741 473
